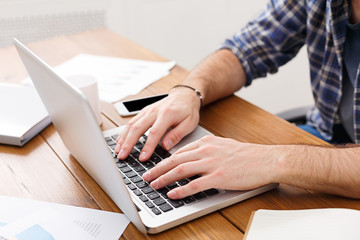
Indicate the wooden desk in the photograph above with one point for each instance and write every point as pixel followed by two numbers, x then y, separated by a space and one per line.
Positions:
pixel 44 169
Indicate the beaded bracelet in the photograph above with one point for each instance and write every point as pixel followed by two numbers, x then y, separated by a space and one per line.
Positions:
pixel 195 90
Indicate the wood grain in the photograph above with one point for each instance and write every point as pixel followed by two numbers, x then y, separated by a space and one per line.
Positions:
pixel 63 180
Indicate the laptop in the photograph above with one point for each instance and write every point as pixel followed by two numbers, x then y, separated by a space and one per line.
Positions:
pixel 149 210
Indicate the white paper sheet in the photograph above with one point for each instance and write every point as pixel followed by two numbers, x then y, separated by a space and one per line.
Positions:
pixel 313 224
pixel 22 216
pixel 46 224
pixel 117 77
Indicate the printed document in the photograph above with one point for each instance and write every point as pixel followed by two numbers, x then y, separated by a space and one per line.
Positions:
pixel 22 219
pixel 117 77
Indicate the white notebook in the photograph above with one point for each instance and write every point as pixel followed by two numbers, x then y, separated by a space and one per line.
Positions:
pixel 22 114
pixel 312 224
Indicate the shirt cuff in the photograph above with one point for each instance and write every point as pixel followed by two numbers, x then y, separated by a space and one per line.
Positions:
pixel 229 45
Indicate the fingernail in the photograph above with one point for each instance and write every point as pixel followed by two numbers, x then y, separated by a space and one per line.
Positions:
pixel 155 184
pixel 122 153
pixel 171 194
pixel 168 144
pixel 117 148
pixel 142 156
pixel 146 176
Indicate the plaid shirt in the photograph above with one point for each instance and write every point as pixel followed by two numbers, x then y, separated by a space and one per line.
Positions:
pixel 275 37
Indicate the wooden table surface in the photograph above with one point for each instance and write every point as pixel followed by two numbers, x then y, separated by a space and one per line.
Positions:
pixel 44 169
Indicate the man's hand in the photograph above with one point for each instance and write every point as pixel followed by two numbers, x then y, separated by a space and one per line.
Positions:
pixel 178 112
pixel 222 163
pixel 218 76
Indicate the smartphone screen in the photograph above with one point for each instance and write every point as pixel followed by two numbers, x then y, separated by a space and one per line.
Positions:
pixel 138 104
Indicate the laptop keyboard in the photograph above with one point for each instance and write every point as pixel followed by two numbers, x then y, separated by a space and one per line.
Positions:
pixel 156 200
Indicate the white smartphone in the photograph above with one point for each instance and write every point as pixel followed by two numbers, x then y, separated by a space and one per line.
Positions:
pixel 132 107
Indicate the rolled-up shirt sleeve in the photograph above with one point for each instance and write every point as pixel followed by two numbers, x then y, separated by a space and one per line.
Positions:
pixel 270 40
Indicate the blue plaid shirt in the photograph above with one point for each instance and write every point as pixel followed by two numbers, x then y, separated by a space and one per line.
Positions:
pixel 276 36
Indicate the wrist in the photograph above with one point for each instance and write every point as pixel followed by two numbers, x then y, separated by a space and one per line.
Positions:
pixel 281 163
pixel 193 94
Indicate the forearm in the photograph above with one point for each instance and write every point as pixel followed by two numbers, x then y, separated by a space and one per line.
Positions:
pixel 330 170
pixel 218 76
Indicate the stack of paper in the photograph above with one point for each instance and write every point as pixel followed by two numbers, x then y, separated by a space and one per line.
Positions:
pixel 23 115
pixel 117 77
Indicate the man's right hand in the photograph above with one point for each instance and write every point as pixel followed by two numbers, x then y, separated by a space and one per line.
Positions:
pixel 174 116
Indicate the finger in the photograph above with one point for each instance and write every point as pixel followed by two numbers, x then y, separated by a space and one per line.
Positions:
pixel 189 147
pixel 174 136
pixel 122 135
pixel 156 132
pixel 168 164
pixel 195 186
pixel 181 171
pixel 133 132
pixel 121 138
pixel 124 132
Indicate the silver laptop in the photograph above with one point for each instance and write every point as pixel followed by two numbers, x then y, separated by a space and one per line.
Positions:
pixel 150 211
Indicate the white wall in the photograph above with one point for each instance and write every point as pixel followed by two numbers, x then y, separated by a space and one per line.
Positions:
pixel 31 20
pixel 181 30
pixel 189 30
pixel 22 8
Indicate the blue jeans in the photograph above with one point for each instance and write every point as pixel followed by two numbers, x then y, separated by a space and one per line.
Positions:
pixel 340 135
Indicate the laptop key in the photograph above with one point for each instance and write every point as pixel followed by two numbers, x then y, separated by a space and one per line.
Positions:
pixel 199 195
pixel 148 164
pixel 115 137
pixel 159 201
pixel 142 172
pixel 139 168
pixel 211 192
pixel 134 151
pixel 156 159
pixel 133 163
pixel 176 203
pixel 162 152
pixel 189 199
pixel 183 182
pixel 142 184
pixel 149 204
pixel 121 164
pixel 127 181
pixel 165 207
pixel 131 174
pixel 139 145
pixel 164 192
pixel 153 195
pixel 132 186
pixel 172 185
pixel 136 155
pixel 156 211
pixel 161 190
pixel 126 169
pixel 143 198
pixel 129 158
pixel 147 190
pixel 164 195
pixel 136 179
pixel 137 192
